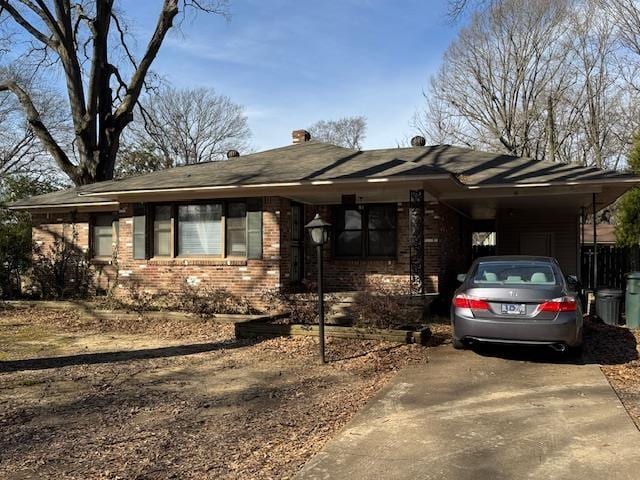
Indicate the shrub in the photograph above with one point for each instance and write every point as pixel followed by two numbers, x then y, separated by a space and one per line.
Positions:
pixel 15 232
pixel 206 301
pixel 62 270
pixel 199 300
pixel 301 307
pixel 384 305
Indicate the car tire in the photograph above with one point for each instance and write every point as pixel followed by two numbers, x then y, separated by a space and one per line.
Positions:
pixel 458 344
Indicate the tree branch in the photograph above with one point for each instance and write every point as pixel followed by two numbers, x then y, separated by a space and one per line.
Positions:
pixel 33 117
pixel 24 23
pixel 123 113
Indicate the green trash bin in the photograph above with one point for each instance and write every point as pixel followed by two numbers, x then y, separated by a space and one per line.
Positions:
pixel 632 300
pixel 609 305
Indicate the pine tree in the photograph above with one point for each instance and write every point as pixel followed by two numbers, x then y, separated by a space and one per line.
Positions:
pixel 628 218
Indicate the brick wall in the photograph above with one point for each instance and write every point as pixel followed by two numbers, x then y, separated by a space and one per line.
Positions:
pixel 349 274
pixel 446 240
pixel 241 277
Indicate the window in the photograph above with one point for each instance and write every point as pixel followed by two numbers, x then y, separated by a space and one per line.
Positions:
pixel 139 232
pixel 366 231
pixel 162 232
pixel 216 229
pixel 381 225
pixel 236 229
pixel 102 236
pixel 515 273
pixel 199 229
pixel 349 233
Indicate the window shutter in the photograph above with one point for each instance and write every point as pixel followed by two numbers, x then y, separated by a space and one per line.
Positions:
pixel 254 228
pixel 140 232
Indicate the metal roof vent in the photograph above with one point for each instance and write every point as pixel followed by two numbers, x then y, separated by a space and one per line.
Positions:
pixel 233 153
pixel 418 141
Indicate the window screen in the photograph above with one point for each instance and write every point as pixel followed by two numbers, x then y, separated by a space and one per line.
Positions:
pixel 200 229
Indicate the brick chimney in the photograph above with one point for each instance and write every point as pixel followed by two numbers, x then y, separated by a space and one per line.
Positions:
pixel 300 136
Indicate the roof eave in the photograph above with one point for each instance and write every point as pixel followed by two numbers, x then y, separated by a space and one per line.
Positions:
pixel 347 181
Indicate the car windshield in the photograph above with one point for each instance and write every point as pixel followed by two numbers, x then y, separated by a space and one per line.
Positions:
pixel 515 273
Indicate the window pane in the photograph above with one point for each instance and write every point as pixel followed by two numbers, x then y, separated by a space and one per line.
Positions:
pixel 103 236
pixel 382 243
pixel 382 217
pixel 200 229
pixel 349 243
pixel 139 234
pixel 352 220
pixel 162 231
pixel 103 240
pixel 236 242
pixel 236 223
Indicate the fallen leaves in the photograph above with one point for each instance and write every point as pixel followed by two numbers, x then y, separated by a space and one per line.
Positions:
pixel 616 350
pixel 252 409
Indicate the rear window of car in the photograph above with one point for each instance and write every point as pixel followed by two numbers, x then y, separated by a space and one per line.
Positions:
pixel 515 273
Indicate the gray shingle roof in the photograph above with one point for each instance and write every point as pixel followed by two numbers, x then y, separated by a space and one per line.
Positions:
pixel 314 161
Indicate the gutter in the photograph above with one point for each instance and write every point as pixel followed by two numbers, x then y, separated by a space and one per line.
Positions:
pixel 61 205
pixel 310 183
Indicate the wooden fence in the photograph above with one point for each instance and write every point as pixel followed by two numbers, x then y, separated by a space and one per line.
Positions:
pixel 613 263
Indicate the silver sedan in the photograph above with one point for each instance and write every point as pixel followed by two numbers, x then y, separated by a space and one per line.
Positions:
pixel 518 300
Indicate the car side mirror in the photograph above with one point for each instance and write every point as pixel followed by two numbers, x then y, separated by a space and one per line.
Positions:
pixel 461 277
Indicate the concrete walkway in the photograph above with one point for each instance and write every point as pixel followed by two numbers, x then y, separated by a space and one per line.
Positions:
pixel 480 416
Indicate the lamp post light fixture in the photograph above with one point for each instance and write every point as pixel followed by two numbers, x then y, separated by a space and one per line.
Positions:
pixel 319 233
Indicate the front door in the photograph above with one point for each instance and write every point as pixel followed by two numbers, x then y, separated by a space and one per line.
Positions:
pixel 297 243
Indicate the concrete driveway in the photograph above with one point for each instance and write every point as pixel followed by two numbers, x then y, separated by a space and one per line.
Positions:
pixel 479 416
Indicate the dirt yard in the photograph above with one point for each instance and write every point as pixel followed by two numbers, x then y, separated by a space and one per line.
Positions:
pixel 87 399
pixel 153 400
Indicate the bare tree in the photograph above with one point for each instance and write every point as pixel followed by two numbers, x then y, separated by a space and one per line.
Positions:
pixel 21 153
pixel 347 132
pixel 533 78
pixel 191 126
pixel 82 38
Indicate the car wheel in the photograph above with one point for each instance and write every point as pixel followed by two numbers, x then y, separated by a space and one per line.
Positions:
pixel 458 344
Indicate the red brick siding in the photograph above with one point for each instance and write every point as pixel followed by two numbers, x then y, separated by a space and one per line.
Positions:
pixel 447 246
pixel 348 274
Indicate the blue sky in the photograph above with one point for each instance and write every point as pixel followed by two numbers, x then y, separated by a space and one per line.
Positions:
pixel 291 63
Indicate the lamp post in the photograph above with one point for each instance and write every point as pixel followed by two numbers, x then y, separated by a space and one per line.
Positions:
pixel 319 233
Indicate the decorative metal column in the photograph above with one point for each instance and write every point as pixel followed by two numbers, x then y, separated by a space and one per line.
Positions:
pixel 595 244
pixel 416 241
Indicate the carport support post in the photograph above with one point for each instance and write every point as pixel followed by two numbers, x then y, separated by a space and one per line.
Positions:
pixel 595 245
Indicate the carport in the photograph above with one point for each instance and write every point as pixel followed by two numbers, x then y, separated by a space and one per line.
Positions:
pixel 534 212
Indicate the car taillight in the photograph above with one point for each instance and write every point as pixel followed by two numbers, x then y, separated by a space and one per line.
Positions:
pixel 564 304
pixel 465 301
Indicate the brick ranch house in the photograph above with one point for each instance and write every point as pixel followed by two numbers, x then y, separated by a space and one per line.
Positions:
pixel 399 215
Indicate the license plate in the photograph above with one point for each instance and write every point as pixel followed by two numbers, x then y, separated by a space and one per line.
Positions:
pixel 514 308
